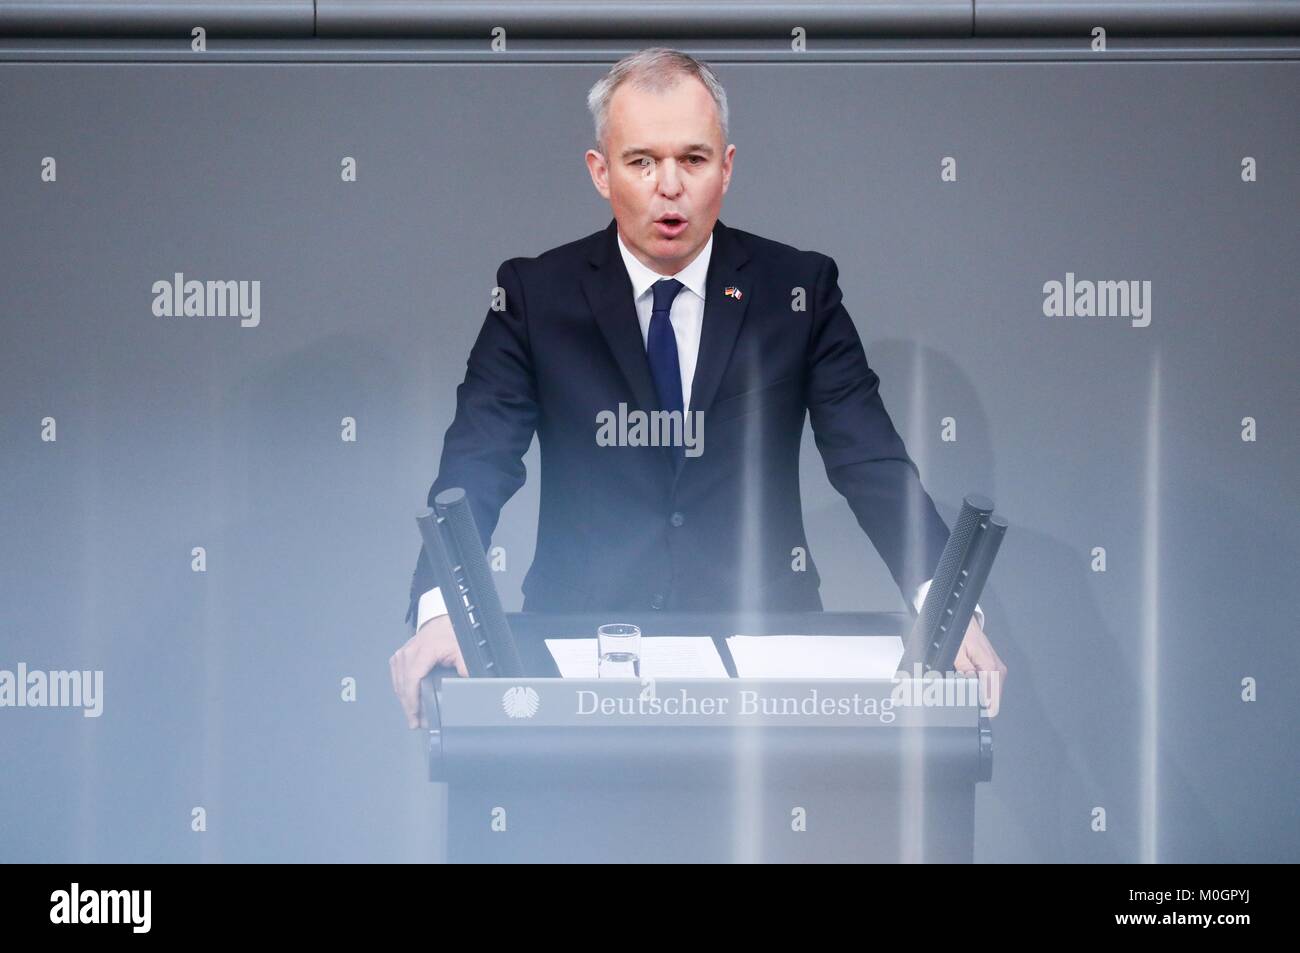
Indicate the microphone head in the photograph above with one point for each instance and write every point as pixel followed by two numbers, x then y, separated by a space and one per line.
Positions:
pixel 449 496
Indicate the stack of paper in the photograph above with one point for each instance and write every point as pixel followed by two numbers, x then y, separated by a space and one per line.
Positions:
pixel 670 656
pixel 816 656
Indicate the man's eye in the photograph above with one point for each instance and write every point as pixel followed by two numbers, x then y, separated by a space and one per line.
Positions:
pixel 696 159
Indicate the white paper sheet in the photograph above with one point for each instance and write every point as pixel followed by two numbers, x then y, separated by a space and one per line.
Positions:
pixel 662 656
pixel 816 656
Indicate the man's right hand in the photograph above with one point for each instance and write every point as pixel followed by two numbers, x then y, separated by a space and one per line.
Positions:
pixel 433 645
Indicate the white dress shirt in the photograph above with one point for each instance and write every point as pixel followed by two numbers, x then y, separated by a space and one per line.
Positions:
pixel 687 315
pixel 687 318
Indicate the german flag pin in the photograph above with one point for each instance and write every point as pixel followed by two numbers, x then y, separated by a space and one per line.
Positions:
pixel 731 291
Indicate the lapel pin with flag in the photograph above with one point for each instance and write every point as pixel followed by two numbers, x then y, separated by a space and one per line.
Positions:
pixel 731 291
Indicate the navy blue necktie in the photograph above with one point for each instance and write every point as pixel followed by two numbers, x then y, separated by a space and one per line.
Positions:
pixel 661 347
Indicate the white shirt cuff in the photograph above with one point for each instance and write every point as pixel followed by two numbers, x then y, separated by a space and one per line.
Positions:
pixel 920 601
pixel 431 606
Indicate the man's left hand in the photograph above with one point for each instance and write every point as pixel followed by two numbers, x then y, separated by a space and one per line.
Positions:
pixel 977 655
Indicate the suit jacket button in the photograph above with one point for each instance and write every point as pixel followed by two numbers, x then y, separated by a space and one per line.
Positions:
pixel 657 601
pixel 677 519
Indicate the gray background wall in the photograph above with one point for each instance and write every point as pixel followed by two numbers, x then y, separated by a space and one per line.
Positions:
pixel 222 688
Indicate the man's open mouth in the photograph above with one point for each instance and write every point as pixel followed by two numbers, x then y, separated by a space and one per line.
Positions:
pixel 670 226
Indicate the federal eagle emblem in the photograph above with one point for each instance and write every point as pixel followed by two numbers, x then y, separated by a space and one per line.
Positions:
pixel 521 701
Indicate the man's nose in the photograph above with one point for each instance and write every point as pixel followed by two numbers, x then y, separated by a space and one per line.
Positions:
pixel 670 182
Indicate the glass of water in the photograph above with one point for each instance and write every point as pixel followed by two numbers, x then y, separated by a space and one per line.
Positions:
pixel 618 646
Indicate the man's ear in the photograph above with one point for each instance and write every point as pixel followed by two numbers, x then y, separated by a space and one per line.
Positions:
pixel 599 170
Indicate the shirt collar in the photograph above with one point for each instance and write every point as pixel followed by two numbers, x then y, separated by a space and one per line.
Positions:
pixel 692 276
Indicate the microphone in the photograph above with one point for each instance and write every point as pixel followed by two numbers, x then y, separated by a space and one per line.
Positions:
pixel 455 551
pixel 943 652
pixel 963 569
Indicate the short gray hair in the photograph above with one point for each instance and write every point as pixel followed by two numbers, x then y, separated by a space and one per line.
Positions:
pixel 653 70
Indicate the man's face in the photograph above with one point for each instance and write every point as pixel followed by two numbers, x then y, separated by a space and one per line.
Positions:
pixel 664 157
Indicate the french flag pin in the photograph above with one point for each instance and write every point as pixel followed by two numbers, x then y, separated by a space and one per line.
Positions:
pixel 731 291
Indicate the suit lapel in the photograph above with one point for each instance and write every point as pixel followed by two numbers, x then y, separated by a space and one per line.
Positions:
pixel 609 295
pixel 723 315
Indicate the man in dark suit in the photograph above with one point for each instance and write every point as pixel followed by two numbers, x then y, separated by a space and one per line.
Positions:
pixel 725 338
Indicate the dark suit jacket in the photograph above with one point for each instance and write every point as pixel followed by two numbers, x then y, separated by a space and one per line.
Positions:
pixel 622 527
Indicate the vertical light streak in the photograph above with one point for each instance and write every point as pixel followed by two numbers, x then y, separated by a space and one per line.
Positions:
pixel 911 817
pixel 748 768
pixel 1150 671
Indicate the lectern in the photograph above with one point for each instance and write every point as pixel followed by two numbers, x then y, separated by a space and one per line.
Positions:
pixel 544 769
